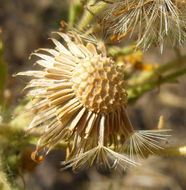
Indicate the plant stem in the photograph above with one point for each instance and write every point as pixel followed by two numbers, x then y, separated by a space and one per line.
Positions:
pixel 75 8
pixel 115 51
pixel 3 72
pixel 18 142
pixel 72 13
pixel 162 69
pixel 89 15
pixel 135 92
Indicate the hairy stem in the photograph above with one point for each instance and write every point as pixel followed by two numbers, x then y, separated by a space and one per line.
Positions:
pixel 155 72
pixel 89 14
pixel 3 71
pixel 136 92
pixel 13 135
pixel 75 7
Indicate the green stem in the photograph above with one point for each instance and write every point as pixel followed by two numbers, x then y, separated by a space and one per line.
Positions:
pixel 115 51
pixel 88 16
pixel 135 92
pixel 155 72
pixel 3 72
pixel 72 13
pixel 16 139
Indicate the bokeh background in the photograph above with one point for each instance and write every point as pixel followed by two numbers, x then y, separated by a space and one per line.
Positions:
pixel 26 26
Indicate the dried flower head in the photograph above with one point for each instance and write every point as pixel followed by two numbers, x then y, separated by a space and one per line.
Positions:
pixel 148 21
pixel 79 95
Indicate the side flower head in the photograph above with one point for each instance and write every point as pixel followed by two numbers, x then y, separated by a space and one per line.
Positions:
pixel 147 21
pixel 79 96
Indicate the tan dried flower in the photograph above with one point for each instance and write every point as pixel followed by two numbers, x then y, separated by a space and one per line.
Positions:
pixel 147 21
pixel 80 96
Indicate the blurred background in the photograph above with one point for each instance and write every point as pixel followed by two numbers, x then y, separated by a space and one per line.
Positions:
pixel 26 26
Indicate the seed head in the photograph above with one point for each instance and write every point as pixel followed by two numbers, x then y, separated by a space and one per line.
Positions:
pixel 79 95
pixel 99 85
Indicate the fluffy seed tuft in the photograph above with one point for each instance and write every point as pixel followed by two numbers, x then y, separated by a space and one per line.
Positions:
pixel 148 21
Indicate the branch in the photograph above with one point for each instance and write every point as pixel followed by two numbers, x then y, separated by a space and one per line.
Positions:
pixel 89 14
pixel 75 7
pixel 135 93
pixel 14 135
pixel 155 72
pixel 3 72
